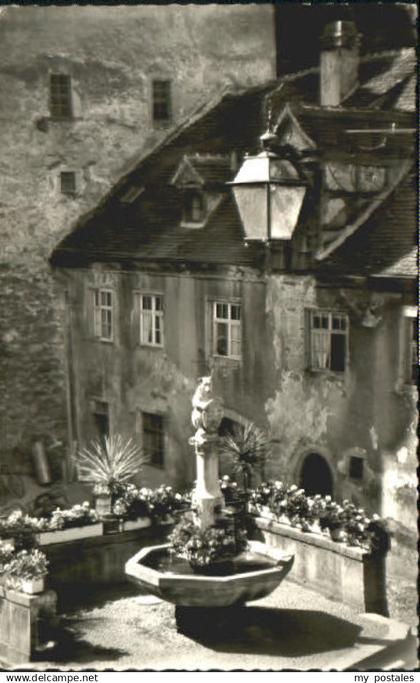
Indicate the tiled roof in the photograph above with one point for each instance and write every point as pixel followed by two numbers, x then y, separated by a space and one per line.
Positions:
pixel 150 229
pixel 384 78
pixel 385 245
pixel 212 169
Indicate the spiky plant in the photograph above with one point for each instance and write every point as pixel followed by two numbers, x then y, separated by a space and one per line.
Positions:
pixel 248 447
pixel 110 464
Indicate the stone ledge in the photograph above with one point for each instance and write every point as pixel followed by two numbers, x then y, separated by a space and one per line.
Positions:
pixel 310 538
pixel 348 575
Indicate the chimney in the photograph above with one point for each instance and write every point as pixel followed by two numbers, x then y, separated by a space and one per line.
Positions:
pixel 339 62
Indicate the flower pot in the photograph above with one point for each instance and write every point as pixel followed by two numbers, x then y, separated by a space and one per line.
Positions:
pixel 338 535
pixel 132 524
pixel 103 504
pixel 71 534
pixel 32 586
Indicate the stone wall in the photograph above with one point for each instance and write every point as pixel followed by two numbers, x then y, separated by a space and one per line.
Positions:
pixel 112 55
pixel 358 413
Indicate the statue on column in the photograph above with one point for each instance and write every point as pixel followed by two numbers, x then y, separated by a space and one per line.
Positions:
pixel 206 417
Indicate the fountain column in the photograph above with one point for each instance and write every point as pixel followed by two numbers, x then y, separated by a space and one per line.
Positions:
pixel 206 417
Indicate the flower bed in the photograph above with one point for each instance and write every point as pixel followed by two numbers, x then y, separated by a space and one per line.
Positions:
pixel 23 570
pixel 80 521
pixel 320 515
pixel 159 506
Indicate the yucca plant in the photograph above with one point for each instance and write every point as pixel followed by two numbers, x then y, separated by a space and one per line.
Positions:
pixel 248 447
pixel 111 464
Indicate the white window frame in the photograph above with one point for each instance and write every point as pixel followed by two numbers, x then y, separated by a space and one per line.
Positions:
pixel 319 339
pixel 231 323
pixel 155 315
pixel 101 310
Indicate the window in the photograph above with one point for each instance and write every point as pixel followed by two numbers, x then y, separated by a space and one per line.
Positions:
pixel 101 420
pixel 68 182
pixel 161 101
pixel 103 314
pixel 194 207
pixel 60 96
pixel 153 439
pixel 414 350
pixel 151 319
pixel 411 350
pixel 227 329
pixel 328 340
pixel 356 467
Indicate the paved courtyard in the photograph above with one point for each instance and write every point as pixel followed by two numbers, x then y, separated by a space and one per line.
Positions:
pixel 294 628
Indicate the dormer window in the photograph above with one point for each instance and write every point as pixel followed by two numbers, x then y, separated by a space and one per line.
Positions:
pixel 201 182
pixel 194 207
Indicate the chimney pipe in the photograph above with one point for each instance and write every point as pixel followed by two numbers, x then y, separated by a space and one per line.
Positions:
pixel 339 67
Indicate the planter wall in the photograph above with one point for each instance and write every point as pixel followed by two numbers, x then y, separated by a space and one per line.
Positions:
pixel 24 622
pixel 340 572
pixel 98 560
pixel 134 524
pixel 71 534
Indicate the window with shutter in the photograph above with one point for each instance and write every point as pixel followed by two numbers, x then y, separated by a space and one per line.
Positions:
pixel 327 340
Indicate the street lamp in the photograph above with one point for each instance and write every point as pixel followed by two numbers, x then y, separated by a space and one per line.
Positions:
pixel 269 190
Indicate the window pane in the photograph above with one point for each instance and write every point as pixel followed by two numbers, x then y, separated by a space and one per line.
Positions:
pixel 325 322
pixel 338 352
pixel 158 303
pixel 320 350
pixel 222 339
pixel 146 327
pixel 235 312
pixel 147 303
pixel 222 311
pixel 316 322
pixel 338 322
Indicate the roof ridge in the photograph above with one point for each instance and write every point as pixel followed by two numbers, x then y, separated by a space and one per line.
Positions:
pixel 392 52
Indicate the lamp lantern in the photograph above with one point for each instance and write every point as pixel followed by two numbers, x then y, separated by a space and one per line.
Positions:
pixel 269 190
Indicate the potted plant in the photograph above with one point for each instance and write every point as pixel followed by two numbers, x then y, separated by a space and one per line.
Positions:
pixel 164 503
pixel 26 571
pixel 109 465
pixel 248 448
pixel 20 529
pixel 132 507
pixel 205 548
pixel 80 521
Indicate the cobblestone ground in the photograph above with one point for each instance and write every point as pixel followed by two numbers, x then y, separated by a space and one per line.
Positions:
pixel 402 601
pixel 294 628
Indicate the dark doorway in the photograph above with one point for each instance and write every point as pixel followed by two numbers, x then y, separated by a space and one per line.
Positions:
pixel 315 476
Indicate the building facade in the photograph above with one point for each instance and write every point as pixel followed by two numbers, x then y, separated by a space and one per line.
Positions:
pixel 85 90
pixel 310 335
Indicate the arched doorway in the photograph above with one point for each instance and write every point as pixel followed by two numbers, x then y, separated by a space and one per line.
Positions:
pixel 316 475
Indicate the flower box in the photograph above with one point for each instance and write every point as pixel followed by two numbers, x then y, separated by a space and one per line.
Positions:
pixel 165 520
pixel 71 534
pixel 32 586
pixel 133 524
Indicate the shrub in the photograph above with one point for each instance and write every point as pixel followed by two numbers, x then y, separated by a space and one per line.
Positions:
pixel 111 464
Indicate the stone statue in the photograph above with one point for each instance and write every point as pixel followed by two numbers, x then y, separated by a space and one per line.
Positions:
pixel 206 417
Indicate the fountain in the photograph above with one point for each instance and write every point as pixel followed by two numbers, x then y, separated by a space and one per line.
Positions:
pixel 249 571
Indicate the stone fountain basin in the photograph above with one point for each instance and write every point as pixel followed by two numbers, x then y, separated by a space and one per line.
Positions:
pixel 188 589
